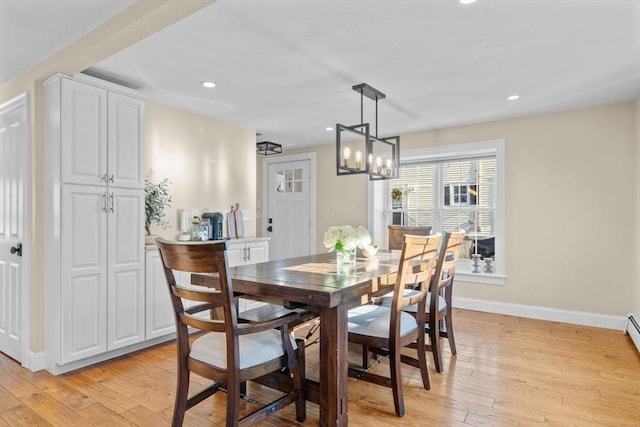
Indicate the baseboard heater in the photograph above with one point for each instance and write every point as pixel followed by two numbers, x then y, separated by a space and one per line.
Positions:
pixel 633 329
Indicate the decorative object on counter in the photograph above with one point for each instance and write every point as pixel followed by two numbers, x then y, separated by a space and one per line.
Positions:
pixel 184 232
pixel 156 200
pixel 267 147
pixel 488 265
pixel 476 263
pixel 185 220
pixel 215 220
pixel 235 222
pixel 199 229
pixel 387 149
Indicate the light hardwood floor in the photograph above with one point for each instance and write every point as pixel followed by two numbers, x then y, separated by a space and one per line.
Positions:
pixel 508 371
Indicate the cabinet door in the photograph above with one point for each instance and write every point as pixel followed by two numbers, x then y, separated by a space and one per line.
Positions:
pixel 83 303
pixel 257 252
pixel 125 141
pixel 126 267
pixel 83 143
pixel 160 319
pixel 236 254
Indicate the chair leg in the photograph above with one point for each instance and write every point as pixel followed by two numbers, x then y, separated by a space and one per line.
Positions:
pixel 434 337
pixel 299 383
pixel 233 401
pixel 452 342
pixel 182 394
pixel 396 382
pixel 422 361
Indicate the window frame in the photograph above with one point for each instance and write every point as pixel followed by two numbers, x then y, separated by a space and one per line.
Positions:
pixel 378 216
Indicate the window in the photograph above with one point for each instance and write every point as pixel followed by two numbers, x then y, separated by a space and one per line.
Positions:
pixel 452 188
pixel 289 180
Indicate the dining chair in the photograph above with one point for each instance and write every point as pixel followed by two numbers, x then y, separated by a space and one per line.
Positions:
pixel 439 309
pixel 397 233
pixel 389 329
pixel 227 352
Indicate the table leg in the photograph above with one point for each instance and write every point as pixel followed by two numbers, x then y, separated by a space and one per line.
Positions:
pixel 333 366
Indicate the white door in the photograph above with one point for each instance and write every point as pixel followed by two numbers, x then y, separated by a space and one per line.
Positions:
pixel 289 209
pixel 13 143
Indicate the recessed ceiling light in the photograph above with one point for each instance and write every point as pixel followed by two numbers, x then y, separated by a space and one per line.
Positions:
pixel 513 97
pixel 466 1
pixel 328 128
pixel 208 84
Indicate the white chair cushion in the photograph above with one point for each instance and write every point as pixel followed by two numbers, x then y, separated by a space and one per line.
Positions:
pixel 254 349
pixel 373 320
pixel 442 304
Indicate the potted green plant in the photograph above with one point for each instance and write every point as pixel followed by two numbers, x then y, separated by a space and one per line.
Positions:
pixel 156 200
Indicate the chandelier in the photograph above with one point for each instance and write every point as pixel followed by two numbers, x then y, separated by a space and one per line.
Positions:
pixel 377 157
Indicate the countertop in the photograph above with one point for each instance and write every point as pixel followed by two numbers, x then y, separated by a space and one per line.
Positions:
pixel 239 240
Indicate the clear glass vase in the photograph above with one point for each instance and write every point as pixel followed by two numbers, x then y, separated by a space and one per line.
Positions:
pixel 346 257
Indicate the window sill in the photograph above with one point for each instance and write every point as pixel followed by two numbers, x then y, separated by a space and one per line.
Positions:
pixel 486 279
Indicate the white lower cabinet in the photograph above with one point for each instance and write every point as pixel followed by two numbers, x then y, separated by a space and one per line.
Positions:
pixel 242 252
pixel 247 251
pixel 160 319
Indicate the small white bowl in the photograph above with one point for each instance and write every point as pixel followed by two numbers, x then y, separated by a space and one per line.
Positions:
pixel 369 251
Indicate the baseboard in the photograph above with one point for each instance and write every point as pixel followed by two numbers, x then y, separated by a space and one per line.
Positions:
pixel 34 361
pixel 542 313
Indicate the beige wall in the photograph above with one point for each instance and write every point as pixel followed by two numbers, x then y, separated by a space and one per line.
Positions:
pixel 211 164
pixel 571 213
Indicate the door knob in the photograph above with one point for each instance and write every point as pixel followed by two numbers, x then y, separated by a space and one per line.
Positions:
pixel 17 249
pixel 269 229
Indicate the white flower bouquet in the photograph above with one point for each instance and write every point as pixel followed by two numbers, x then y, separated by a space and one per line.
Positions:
pixel 346 237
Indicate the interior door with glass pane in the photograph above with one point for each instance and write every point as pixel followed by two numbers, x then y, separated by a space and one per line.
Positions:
pixel 289 209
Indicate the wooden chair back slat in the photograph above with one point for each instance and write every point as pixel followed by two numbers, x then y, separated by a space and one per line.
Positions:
pixel 448 258
pixel 417 267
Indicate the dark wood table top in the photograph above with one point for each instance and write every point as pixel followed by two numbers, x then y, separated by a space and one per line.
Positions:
pixel 311 280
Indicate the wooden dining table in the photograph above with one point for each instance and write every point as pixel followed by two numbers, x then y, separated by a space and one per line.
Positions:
pixel 315 282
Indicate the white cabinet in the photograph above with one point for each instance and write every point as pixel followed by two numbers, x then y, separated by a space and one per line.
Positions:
pixel 250 251
pixel 125 267
pixel 101 136
pixel 94 216
pixel 160 319
pixel 247 251
pixel 83 261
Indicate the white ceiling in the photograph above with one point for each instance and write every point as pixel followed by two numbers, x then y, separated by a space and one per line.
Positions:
pixel 32 30
pixel 286 67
